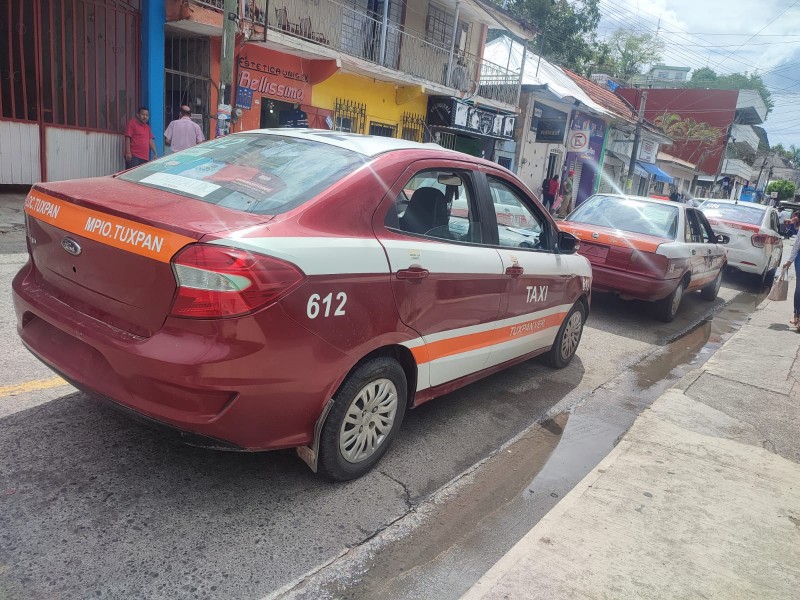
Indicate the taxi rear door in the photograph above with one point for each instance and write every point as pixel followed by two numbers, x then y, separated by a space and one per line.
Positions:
pixel 448 286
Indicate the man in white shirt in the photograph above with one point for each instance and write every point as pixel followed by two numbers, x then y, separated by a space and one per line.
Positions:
pixel 183 133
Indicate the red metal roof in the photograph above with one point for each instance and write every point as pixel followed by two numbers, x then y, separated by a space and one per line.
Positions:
pixel 605 98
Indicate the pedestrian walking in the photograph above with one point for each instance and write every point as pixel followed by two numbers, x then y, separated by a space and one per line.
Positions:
pixel 546 192
pixel 139 140
pixel 183 133
pixel 566 195
pixel 553 191
pixel 793 259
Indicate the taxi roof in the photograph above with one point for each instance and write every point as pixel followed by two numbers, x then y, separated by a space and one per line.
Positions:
pixel 735 203
pixel 645 199
pixel 367 145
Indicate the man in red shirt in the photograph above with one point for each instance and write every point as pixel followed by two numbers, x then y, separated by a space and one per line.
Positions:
pixel 139 140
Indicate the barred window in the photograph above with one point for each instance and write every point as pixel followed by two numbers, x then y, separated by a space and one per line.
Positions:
pixel 382 129
pixel 349 116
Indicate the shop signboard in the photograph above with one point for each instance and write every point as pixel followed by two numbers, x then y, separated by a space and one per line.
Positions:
pixel 548 123
pixel 648 151
pixel 274 74
pixel 584 147
pixel 451 112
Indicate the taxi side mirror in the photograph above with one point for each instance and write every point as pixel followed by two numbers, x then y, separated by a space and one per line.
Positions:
pixel 567 243
pixel 723 239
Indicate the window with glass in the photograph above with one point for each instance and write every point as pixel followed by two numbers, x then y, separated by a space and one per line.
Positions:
pixel 740 213
pixel 438 204
pixel 629 214
pixel 518 226
pixel 256 173
pixel 694 230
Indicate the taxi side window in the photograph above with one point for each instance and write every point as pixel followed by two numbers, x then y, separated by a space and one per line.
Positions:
pixel 517 225
pixel 438 204
pixel 708 232
pixel 694 232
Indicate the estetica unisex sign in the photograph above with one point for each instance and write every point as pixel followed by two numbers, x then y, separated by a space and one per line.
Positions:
pixel 276 75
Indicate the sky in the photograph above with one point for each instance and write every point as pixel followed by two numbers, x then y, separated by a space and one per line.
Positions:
pixel 728 36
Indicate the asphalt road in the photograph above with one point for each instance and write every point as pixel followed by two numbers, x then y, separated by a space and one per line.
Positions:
pixel 93 504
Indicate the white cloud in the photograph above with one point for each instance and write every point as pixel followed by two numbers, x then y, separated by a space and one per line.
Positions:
pixel 726 27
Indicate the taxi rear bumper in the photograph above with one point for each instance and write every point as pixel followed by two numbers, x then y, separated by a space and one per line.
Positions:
pixel 631 285
pixel 197 376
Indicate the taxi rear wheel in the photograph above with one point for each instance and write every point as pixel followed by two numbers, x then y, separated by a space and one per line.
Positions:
pixel 710 292
pixel 568 338
pixel 667 308
pixel 366 415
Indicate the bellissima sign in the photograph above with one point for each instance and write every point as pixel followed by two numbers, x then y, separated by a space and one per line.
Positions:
pixel 276 75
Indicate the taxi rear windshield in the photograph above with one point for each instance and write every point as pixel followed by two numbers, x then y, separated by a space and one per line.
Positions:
pixel 628 214
pixel 255 173
pixel 733 212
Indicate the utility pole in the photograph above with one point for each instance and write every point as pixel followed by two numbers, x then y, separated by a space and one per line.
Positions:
pixel 722 160
pixel 230 25
pixel 637 136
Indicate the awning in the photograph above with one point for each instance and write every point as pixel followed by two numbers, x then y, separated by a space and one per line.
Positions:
pixel 654 170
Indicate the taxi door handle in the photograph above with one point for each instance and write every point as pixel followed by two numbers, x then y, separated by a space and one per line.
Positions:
pixel 694 251
pixel 413 273
pixel 515 271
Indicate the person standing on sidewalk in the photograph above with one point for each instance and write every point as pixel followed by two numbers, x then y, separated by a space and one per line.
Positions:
pixel 554 185
pixel 139 140
pixel 566 195
pixel 183 133
pixel 793 259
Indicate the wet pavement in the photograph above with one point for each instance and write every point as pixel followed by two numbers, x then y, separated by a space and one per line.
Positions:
pixel 445 545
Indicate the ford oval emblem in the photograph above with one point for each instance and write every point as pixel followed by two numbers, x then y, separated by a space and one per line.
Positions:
pixel 595 235
pixel 71 246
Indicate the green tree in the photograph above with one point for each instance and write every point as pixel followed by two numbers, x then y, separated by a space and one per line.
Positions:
pixel 785 189
pixel 708 78
pixel 568 30
pixel 630 52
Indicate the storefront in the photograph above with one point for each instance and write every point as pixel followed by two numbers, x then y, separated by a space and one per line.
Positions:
pixel 542 136
pixel 274 89
pixel 362 105
pixel 457 125
pixel 585 146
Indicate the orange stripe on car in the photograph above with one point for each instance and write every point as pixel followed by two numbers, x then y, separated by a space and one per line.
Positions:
pixel 104 228
pixel 475 341
pixel 622 239
pixel 734 225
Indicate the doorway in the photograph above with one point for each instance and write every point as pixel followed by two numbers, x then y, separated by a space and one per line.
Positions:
pixel 276 113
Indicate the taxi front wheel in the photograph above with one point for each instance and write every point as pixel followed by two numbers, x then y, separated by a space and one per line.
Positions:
pixel 366 415
pixel 568 338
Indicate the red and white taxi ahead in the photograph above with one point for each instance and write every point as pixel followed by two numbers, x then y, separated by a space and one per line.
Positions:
pixel 289 288
pixel 755 243
pixel 648 249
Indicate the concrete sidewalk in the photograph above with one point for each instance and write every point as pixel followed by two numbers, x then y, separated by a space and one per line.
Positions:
pixel 700 499
pixel 12 219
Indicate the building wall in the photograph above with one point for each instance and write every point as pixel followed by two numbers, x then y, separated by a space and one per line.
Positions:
pixel 532 156
pixel 717 108
pixel 379 98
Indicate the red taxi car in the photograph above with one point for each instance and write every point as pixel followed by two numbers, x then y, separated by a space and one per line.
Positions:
pixel 648 249
pixel 295 288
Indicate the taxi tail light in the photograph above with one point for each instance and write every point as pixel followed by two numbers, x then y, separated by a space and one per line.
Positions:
pixel 217 281
pixel 759 240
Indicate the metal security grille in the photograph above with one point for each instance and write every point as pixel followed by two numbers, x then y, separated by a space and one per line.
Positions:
pixel 187 78
pixel 349 116
pixel 446 140
pixel 412 127
pixel 382 129
pixel 439 29
pixel 70 62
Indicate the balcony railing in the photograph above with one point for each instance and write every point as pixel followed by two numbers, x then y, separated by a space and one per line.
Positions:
pixel 348 30
pixel 254 11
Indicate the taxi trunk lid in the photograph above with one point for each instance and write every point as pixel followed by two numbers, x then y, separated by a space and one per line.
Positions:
pixel 104 246
pixel 740 234
pixel 611 248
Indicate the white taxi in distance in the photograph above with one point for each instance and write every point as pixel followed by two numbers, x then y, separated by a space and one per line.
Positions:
pixel 755 243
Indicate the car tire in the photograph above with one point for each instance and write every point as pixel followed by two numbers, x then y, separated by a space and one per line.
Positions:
pixel 767 278
pixel 667 308
pixel 367 412
pixel 568 338
pixel 710 292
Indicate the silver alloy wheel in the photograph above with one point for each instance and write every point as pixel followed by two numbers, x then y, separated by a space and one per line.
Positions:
pixel 368 420
pixel 572 335
pixel 676 299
